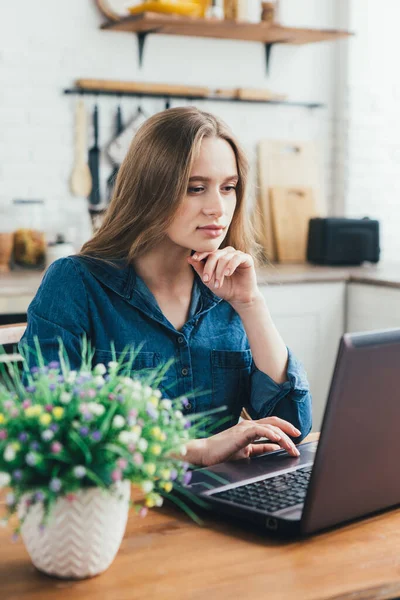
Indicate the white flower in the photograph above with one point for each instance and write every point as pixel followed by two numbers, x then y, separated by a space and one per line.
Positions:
pixel 10 499
pixel 100 369
pixel 65 397
pixel 79 471
pixel 9 454
pixel 71 377
pixel 47 435
pixel 157 393
pixel 167 404
pixel 147 486
pixel 178 414
pixel 95 408
pixel 118 421
pixel 159 501
pixel 136 385
pixel 112 365
pixel 99 381
pixel 4 479
pixel 76 424
pixel 147 392
pixel 143 445
pixel 127 381
pixel 128 437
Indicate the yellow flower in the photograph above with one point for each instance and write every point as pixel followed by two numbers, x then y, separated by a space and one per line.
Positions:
pixel 162 437
pixel 165 474
pixel 150 468
pixel 167 486
pixel 155 432
pixel 45 419
pixel 15 446
pixel 156 449
pixel 33 411
pixel 154 400
pixel 136 429
pixel 58 412
pixel 149 502
pixel 2 419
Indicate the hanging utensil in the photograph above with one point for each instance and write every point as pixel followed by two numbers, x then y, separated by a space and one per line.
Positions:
pixel 81 179
pixel 94 160
pixel 119 127
pixel 118 148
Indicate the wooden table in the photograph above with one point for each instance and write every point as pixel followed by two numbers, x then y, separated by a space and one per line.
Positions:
pixel 167 556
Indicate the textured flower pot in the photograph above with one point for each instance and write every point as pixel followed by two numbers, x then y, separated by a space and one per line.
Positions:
pixel 82 536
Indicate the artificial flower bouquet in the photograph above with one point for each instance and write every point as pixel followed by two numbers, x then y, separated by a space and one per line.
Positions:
pixel 64 432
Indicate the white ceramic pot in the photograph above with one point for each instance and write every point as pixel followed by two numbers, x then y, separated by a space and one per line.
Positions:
pixel 82 536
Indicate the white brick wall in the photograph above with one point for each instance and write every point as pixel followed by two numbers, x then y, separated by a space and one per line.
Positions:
pixel 370 142
pixel 46 45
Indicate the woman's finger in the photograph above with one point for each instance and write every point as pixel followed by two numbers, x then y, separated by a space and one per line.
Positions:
pixel 221 268
pixel 210 265
pixel 282 424
pixel 257 449
pixel 254 431
pixel 233 264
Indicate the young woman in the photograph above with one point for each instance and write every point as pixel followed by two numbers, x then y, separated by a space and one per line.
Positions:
pixel 171 266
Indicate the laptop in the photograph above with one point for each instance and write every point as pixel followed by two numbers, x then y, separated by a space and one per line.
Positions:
pixel 352 471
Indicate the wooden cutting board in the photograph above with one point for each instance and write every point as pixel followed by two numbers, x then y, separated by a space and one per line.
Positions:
pixel 283 163
pixel 292 208
pixel 142 87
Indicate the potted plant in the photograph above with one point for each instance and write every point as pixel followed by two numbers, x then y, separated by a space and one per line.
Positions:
pixel 71 445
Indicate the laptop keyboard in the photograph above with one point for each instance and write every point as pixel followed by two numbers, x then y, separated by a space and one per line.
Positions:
pixel 272 494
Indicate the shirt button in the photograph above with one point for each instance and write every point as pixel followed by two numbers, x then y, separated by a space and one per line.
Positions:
pixel 185 371
pixel 181 340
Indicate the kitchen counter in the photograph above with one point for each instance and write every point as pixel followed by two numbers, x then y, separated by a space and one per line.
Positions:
pixel 382 274
pixel 26 283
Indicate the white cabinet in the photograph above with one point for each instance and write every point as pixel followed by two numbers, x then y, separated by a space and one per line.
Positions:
pixel 372 307
pixel 310 317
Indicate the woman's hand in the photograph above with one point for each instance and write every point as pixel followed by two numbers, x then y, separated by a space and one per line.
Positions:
pixel 229 273
pixel 238 442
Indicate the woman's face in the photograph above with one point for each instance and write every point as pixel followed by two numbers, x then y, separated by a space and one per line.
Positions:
pixel 203 218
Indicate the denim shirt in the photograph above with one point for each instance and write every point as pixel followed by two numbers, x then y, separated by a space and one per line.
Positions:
pixel 211 352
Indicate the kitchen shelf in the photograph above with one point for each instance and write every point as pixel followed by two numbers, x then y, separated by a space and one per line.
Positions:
pixel 267 33
pixel 168 97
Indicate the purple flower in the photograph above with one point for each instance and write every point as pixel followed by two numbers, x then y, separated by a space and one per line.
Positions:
pixel 39 496
pixel 60 379
pixel 107 377
pixel 91 393
pixel 173 475
pixel 44 370
pixel 34 446
pixel 84 431
pixel 17 474
pixel 187 424
pixel 31 388
pixel 52 387
pixel 88 416
pixel 151 411
pixel 23 437
pixel 31 459
pixel 55 484
pixel 15 537
pixel 54 364
pixel 96 436
pixel 187 477
pixel 184 401
pixel 54 427
pixel 120 398
pixel 35 370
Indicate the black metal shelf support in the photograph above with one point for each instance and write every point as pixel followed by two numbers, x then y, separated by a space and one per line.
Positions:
pixel 167 97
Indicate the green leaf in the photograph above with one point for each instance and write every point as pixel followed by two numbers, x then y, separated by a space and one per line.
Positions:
pixel 95 478
pixel 107 419
pixel 81 445
pixel 116 450
pixel 184 507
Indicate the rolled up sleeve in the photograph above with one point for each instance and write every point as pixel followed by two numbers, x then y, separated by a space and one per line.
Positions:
pixel 290 400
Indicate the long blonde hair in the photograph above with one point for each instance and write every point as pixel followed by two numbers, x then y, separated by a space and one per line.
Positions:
pixel 153 180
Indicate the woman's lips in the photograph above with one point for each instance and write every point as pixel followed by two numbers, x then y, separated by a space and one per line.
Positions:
pixel 211 231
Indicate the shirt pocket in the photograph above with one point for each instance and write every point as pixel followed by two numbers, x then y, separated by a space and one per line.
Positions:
pixel 143 360
pixel 230 384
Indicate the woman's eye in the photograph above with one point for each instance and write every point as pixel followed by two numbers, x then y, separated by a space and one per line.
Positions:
pixel 195 190
pixel 230 188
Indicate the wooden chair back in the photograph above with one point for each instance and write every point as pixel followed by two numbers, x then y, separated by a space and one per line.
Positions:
pixel 11 334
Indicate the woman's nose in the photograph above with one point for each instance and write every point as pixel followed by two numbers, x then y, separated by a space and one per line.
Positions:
pixel 214 207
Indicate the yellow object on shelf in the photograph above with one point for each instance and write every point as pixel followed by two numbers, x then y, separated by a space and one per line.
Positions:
pixel 180 7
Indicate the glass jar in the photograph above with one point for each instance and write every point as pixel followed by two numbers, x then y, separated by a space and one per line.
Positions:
pixel 29 237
